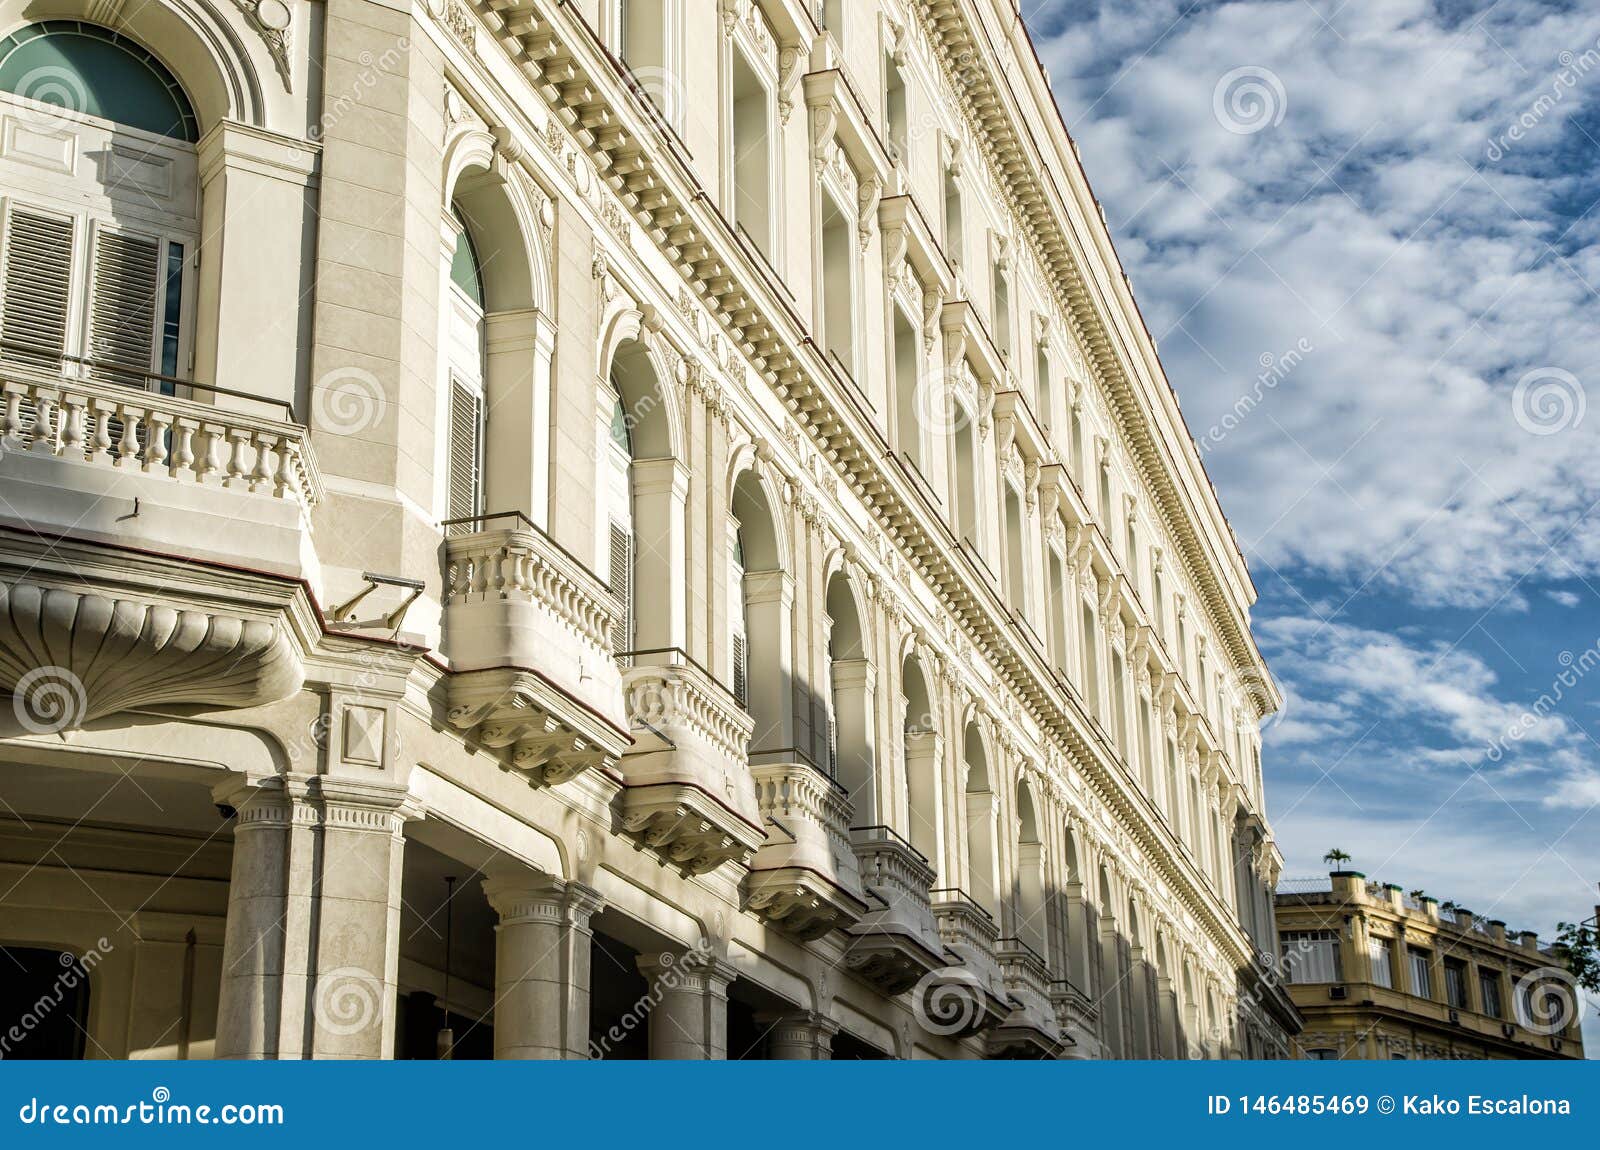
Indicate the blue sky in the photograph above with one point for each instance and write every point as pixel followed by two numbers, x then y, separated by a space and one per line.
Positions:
pixel 1389 209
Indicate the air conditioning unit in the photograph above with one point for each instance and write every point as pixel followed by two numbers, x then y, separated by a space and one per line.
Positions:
pixel 1338 993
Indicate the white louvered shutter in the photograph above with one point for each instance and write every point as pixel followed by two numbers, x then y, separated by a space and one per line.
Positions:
pixel 38 278
pixel 741 676
pixel 622 586
pixel 124 303
pixel 466 454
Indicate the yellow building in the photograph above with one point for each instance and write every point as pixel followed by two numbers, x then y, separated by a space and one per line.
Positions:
pixel 1378 973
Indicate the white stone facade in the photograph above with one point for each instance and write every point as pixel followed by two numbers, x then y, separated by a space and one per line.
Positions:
pixel 690 473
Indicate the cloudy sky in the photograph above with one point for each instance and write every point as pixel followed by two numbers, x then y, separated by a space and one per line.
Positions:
pixel 1364 235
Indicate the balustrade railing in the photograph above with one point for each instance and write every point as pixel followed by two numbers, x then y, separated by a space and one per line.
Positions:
pixel 134 429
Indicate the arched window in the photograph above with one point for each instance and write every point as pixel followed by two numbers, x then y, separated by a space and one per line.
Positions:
pixel 102 210
pixel 643 489
pixel 464 359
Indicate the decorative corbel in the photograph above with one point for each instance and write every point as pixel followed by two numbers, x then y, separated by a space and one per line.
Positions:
pixel 790 56
pixel 868 192
pixel 824 123
pixel 932 304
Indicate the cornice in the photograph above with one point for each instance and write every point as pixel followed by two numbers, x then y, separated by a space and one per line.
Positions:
pixel 1125 360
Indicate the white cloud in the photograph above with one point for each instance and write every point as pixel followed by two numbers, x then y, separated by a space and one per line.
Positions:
pixel 1423 275
pixel 1565 598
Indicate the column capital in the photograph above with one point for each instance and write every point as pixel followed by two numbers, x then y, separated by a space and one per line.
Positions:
pixel 532 896
pixel 691 970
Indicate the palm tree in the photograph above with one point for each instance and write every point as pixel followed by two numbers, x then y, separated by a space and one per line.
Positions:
pixel 1335 858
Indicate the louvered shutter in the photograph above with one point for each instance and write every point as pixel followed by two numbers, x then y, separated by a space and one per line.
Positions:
pixel 622 586
pixel 38 279
pixel 466 454
pixel 741 678
pixel 124 302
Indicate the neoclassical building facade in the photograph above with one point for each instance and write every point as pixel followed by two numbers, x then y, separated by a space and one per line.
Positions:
pixel 617 528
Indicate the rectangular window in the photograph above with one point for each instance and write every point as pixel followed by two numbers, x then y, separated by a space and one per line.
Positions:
pixel 751 159
pixel 1421 975
pixel 1311 956
pixel 1002 310
pixel 1455 984
pixel 1058 612
pixel 966 479
pixel 908 417
pixel 1016 576
pixel 1091 661
pixel 1489 991
pixel 838 303
pixel 1044 394
pixel 897 138
pixel 954 240
pixel 1381 955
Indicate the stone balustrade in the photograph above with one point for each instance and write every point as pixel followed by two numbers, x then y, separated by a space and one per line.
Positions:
pixel 527 637
pixel 688 791
pixel 132 429
pixel 804 878
pixel 1032 1028
pixel 897 941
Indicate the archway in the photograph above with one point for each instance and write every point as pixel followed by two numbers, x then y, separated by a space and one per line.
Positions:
pixel 982 810
pixel 761 631
pixel 921 748
pixel 644 496
pixel 1113 998
pixel 496 345
pixel 851 688
pixel 1031 926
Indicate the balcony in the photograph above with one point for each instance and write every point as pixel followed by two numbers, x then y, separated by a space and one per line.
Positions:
pixel 527 633
pixel 110 462
pixel 1031 1030
pixel 207 507
pixel 897 941
pixel 804 879
pixel 968 933
pixel 688 792
pixel 1077 1017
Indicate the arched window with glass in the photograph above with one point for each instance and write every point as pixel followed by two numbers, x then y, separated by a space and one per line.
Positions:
pixel 101 209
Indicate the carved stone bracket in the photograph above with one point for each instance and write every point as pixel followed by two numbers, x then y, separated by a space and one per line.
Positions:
pixel 71 656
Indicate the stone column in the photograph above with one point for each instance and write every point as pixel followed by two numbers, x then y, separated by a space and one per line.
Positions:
pixel 541 965
pixel 253 193
pixel 769 611
pixel 854 683
pixel 311 950
pixel 689 1018
pixel 519 347
pixel 924 754
pixel 800 1036
pixel 660 506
